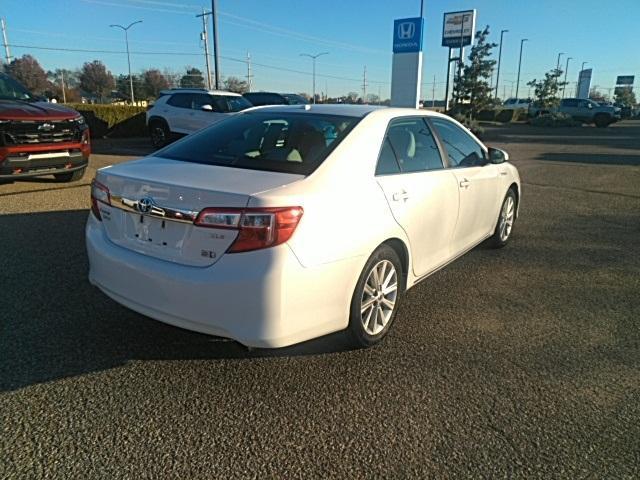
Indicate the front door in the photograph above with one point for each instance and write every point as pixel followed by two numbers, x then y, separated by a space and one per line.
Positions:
pixel 477 182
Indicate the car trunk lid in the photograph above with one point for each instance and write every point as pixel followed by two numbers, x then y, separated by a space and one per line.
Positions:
pixel 154 202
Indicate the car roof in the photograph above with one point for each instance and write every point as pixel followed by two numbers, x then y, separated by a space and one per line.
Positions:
pixel 358 111
pixel 199 90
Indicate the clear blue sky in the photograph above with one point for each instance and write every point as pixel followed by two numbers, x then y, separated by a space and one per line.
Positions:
pixel 355 32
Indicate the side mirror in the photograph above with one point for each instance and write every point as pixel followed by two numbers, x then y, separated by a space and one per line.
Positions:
pixel 207 108
pixel 497 156
pixel 589 106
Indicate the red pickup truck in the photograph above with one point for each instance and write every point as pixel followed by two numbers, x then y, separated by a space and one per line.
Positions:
pixel 39 138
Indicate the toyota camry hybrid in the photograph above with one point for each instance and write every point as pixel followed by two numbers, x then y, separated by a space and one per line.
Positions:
pixel 281 224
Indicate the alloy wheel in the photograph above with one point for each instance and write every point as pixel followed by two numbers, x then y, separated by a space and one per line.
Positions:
pixel 379 297
pixel 507 215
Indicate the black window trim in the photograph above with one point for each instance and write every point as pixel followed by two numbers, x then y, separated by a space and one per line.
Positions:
pixel 483 147
pixel 425 118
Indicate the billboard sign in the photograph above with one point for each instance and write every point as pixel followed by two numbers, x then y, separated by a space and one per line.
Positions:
pixel 584 83
pixel 625 80
pixel 458 29
pixel 407 35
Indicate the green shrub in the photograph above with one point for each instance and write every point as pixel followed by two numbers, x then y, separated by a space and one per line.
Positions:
pixel 554 120
pixel 113 120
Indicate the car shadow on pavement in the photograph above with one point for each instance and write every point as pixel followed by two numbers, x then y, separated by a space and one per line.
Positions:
pixel 54 324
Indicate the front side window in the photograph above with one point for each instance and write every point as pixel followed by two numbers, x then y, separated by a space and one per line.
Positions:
pixel 271 141
pixel 462 149
pixel 410 141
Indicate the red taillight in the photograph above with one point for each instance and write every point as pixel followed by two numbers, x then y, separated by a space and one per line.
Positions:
pixel 258 227
pixel 99 193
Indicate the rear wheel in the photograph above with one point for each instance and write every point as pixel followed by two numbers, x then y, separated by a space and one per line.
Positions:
pixel 159 132
pixel 506 219
pixel 69 176
pixel 375 300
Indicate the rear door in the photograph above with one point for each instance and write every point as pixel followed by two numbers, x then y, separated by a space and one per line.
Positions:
pixel 179 112
pixel 477 183
pixel 422 194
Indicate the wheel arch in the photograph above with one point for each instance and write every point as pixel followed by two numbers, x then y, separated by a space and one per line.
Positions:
pixel 156 118
pixel 403 254
pixel 514 186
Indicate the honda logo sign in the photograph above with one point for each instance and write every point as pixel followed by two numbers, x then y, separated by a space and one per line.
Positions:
pixel 407 35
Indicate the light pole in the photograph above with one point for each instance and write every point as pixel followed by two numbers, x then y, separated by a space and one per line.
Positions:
pixel 583 64
pixel 566 70
pixel 126 40
pixel 520 65
pixel 558 62
pixel 314 57
pixel 502 32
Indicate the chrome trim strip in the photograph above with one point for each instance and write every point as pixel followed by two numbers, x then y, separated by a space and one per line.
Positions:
pixel 165 213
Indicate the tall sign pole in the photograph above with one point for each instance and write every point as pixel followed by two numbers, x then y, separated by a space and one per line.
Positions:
pixel 406 70
pixel 216 42
pixel 458 30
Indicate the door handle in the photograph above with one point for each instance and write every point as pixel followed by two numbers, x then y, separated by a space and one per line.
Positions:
pixel 503 173
pixel 464 183
pixel 401 195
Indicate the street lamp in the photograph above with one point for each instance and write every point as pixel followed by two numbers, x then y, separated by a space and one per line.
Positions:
pixel 558 62
pixel 314 57
pixel 520 65
pixel 566 70
pixel 126 40
pixel 502 32
pixel 582 67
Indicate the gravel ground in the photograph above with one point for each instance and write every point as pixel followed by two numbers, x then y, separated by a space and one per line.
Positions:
pixel 522 362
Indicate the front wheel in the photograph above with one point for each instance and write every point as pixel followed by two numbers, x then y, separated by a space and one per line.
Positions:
pixel 506 219
pixel 602 121
pixel 375 300
pixel 159 133
pixel 69 176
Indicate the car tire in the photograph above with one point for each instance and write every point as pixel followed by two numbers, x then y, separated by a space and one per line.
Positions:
pixel 372 310
pixel 602 121
pixel 506 219
pixel 159 133
pixel 69 176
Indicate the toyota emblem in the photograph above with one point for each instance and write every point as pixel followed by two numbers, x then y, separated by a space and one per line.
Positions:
pixel 144 204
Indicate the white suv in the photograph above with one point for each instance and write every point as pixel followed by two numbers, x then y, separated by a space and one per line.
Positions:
pixel 183 111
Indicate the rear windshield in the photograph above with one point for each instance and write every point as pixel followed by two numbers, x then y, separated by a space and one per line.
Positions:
pixel 271 141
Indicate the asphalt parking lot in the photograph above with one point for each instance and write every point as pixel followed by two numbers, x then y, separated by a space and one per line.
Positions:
pixel 521 362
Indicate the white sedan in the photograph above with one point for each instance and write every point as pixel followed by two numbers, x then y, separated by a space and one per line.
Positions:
pixel 282 224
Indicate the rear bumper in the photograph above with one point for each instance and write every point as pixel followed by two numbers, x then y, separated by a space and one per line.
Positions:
pixel 263 298
pixel 25 161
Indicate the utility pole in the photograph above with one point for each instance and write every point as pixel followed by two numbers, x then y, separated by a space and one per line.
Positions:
pixel 499 59
pixel 314 57
pixel 216 42
pixel 364 85
pixel 566 70
pixel 520 65
pixel 7 51
pixel 126 40
pixel 249 74
pixel 205 37
pixel 64 94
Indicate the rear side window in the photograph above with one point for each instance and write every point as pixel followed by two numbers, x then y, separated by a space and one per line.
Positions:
pixel 410 143
pixel 271 141
pixel 181 100
pixel 259 99
pixel 462 149
pixel 569 103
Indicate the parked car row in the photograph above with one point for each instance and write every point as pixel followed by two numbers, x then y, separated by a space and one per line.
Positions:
pixel 582 110
pixel 181 111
